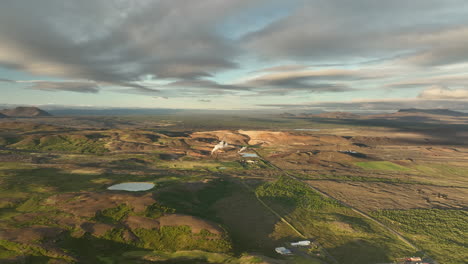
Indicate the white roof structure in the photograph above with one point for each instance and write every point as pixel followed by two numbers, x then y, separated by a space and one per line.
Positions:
pixel 283 251
pixel 303 243
pixel 242 149
pixel 221 145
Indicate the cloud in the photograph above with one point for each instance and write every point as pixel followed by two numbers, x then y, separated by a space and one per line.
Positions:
pixel 195 48
pixel 328 80
pixel 282 68
pixel 55 86
pixel 430 32
pixel 376 105
pixel 80 87
pixel 328 74
pixel 438 92
pixel 116 42
pixel 207 84
pixel 204 100
pixel 441 80
pixel 441 47
pixel 301 87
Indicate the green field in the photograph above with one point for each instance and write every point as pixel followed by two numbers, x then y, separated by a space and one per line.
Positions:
pixel 381 165
pixel 62 143
pixel 441 233
pixel 339 230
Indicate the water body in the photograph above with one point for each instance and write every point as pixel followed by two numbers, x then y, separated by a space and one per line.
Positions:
pixel 307 129
pixel 131 186
pixel 249 155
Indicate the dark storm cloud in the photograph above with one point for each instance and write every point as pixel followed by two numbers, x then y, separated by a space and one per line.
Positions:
pixel 116 42
pixel 435 32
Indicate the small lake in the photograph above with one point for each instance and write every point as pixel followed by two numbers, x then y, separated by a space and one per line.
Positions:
pixel 131 186
pixel 307 129
pixel 249 155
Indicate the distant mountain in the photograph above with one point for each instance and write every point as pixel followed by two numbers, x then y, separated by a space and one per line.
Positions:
pixel 2 115
pixel 23 111
pixel 337 115
pixel 286 114
pixel 445 112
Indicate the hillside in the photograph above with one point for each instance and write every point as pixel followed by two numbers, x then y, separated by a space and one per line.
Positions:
pixel 23 111
pixel 424 116
pixel 337 115
pixel 446 112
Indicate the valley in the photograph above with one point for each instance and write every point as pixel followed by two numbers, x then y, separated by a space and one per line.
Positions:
pixel 360 191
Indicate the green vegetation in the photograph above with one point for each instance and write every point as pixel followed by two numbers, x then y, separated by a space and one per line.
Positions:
pixel 62 143
pixel 197 256
pixel 188 164
pixel 292 193
pixel 436 169
pixel 27 179
pixel 115 214
pixel 7 140
pixel 250 201
pixel 356 178
pixel 90 249
pixel 157 210
pixel 31 250
pixel 442 233
pixel 173 238
pixel 197 203
pixel 338 229
pixel 441 174
pixel 381 165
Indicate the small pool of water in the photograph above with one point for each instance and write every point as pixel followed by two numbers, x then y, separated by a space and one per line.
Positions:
pixel 249 155
pixel 131 186
pixel 307 129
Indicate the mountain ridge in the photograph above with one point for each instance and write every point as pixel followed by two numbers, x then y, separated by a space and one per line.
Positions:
pixel 24 111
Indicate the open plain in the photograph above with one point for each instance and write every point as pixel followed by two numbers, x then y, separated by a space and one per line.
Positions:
pixel 362 191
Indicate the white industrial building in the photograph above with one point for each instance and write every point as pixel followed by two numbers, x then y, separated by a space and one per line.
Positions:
pixel 303 243
pixel 283 251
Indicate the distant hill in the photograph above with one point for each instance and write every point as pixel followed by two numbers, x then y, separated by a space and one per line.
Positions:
pixel 23 111
pixel 337 115
pixel 445 112
pixel 286 114
pixel 2 115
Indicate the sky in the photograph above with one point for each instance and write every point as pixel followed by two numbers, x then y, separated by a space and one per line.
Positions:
pixel 330 55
